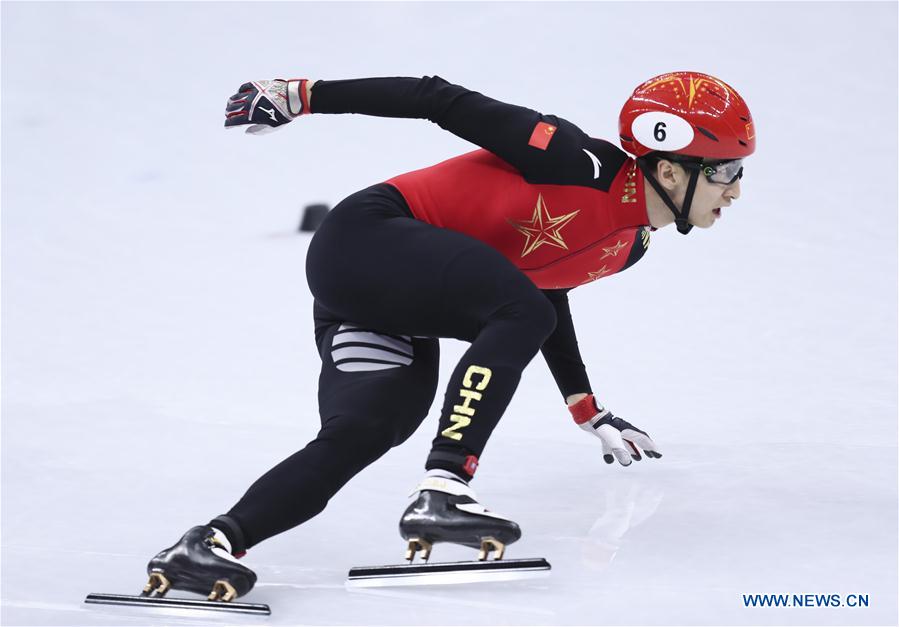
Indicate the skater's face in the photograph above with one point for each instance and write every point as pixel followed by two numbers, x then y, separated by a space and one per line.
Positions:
pixel 708 198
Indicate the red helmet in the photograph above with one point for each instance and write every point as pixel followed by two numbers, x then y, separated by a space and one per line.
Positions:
pixel 687 113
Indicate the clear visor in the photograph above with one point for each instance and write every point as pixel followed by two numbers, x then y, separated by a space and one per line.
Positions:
pixel 724 172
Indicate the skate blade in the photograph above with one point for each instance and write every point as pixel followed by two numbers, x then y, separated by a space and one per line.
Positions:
pixel 180 604
pixel 447 573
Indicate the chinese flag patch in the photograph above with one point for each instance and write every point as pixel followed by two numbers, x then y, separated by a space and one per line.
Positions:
pixel 542 135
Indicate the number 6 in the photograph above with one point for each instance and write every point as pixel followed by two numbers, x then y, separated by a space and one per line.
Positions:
pixel 659 132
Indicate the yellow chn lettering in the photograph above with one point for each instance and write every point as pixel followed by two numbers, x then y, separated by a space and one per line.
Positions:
pixel 464 412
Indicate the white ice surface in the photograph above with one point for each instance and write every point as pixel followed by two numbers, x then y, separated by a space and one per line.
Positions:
pixel 157 335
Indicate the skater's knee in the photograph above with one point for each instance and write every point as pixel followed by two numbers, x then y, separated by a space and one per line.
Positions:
pixel 393 428
pixel 364 438
pixel 532 311
pixel 545 315
pixel 407 425
pixel 405 417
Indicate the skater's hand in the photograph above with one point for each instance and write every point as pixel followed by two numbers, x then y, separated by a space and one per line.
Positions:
pixel 266 105
pixel 620 439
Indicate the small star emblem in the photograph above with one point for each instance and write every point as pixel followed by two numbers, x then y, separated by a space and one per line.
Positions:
pixel 592 276
pixel 612 251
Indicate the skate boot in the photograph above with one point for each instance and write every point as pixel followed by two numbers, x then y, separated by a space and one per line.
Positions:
pixel 200 562
pixel 447 510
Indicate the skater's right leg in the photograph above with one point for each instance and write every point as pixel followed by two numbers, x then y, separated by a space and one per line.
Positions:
pixel 202 562
pixel 374 391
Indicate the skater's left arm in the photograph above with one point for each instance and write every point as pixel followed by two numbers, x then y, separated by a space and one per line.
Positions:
pixel 561 352
pixel 620 439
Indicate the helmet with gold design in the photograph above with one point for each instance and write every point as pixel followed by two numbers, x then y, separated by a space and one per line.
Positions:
pixel 687 113
pixel 691 118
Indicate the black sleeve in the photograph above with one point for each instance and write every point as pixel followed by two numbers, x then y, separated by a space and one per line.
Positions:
pixel 503 129
pixel 561 350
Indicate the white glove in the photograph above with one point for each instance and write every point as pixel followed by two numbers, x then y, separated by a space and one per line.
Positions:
pixel 267 105
pixel 620 439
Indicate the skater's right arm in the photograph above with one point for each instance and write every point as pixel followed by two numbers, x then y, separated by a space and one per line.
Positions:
pixel 544 148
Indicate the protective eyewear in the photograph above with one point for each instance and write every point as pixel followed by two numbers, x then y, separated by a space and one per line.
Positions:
pixel 724 172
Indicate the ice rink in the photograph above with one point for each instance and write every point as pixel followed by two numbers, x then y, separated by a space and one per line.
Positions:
pixel 157 346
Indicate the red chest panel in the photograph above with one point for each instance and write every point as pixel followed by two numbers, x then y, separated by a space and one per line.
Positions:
pixel 560 236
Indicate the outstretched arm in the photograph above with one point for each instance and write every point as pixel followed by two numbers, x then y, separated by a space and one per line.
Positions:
pixel 542 147
pixel 524 138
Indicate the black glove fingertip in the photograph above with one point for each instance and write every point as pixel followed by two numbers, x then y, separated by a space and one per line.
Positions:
pixel 235 121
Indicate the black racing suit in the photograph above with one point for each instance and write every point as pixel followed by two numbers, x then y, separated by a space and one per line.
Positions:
pixel 386 286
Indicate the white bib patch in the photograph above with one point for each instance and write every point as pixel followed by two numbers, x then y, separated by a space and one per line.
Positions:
pixel 662 131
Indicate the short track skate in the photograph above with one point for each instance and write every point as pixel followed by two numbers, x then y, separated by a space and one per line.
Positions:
pixel 447 511
pixel 200 562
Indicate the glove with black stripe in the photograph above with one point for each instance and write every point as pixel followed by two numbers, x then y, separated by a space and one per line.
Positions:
pixel 268 104
pixel 620 439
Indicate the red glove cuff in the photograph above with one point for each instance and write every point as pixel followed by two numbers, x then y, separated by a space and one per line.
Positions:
pixel 584 409
pixel 306 105
pixel 297 99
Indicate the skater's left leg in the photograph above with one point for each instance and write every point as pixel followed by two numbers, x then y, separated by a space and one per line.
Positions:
pixel 487 375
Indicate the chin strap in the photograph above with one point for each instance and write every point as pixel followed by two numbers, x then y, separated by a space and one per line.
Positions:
pixel 680 215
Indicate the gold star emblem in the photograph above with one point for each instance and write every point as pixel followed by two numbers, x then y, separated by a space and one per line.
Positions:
pixel 542 228
pixel 592 276
pixel 612 251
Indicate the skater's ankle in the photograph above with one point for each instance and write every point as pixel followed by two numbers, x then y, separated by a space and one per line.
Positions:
pixel 233 534
pixel 459 465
